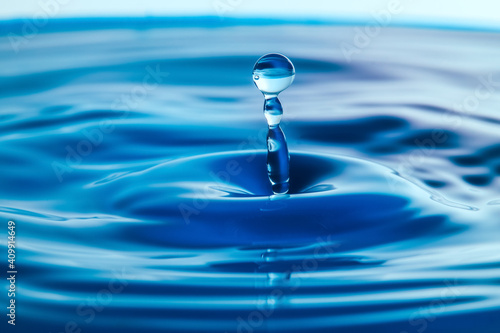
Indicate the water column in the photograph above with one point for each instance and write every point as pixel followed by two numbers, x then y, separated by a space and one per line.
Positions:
pixel 272 74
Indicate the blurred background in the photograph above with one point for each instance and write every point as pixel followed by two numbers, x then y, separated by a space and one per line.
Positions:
pixel 448 12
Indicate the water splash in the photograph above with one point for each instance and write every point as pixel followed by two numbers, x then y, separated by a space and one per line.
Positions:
pixel 272 74
pixel 179 225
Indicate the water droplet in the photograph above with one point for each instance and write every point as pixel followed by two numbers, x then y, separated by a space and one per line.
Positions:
pixel 276 73
pixel 273 111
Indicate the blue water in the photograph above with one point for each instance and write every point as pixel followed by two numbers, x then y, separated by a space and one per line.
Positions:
pixel 133 161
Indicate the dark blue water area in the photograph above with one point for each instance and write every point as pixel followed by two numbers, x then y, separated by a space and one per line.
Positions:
pixel 133 162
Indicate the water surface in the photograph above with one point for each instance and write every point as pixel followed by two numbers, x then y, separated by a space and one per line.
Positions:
pixel 134 164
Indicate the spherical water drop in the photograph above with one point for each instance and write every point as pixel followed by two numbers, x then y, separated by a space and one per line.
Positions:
pixel 273 73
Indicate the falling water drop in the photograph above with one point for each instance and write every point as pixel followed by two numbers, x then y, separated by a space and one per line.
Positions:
pixel 272 74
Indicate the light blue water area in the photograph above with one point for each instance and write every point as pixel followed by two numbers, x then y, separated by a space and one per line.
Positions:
pixel 133 161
